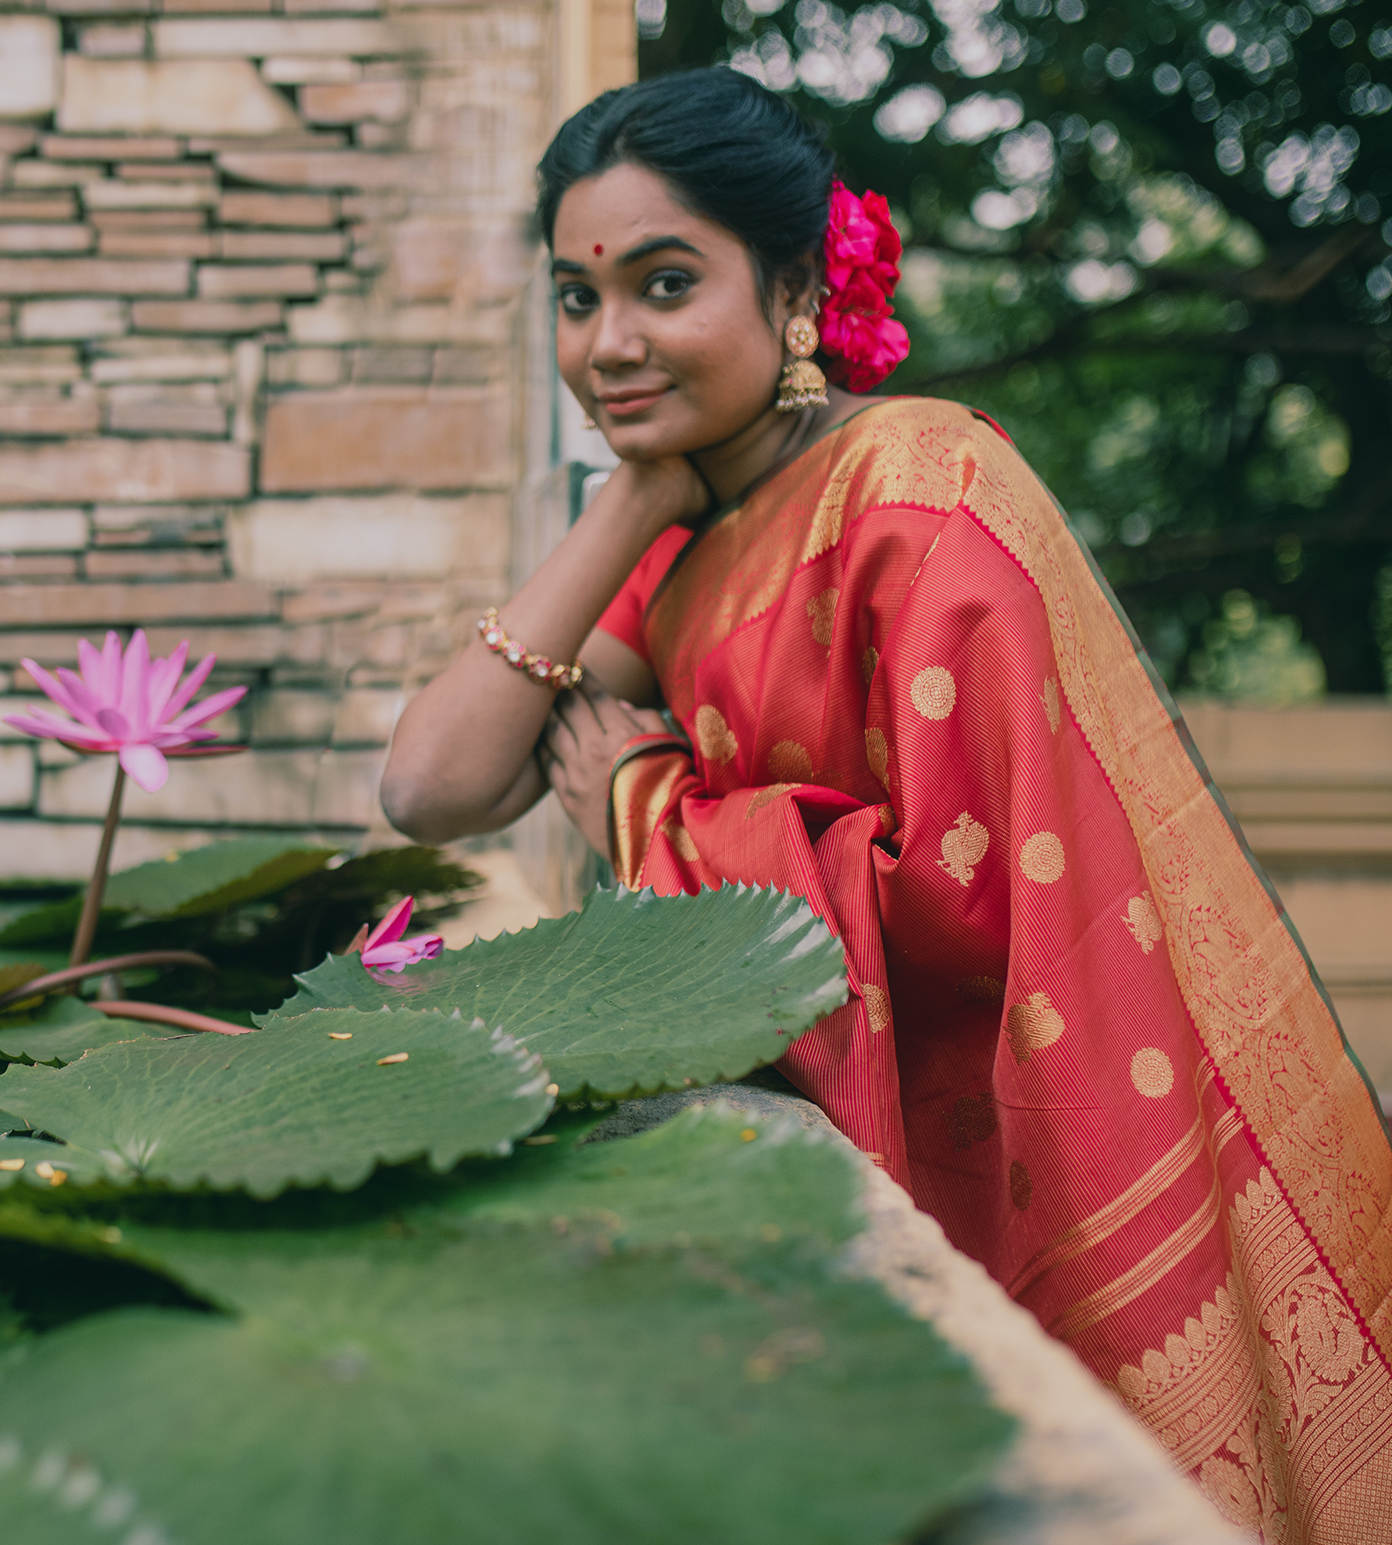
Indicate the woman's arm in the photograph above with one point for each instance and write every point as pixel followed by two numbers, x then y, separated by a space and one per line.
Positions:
pixel 461 760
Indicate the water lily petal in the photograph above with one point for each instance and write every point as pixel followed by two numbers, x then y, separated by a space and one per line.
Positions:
pixel 146 765
pixel 387 957
pixel 195 679
pixel 135 681
pixel 164 677
pixel 220 748
pixel 106 678
pixel 85 702
pixel 48 727
pixel 392 926
pixel 209 708
pixel 114 723
pixel 53 688
pixel 405 952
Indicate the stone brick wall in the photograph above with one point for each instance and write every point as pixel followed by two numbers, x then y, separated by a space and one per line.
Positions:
pixel 269 376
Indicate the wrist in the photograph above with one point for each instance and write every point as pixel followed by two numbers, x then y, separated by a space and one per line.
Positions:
pixel 641 500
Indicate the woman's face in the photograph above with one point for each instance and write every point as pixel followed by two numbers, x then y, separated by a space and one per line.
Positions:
pixel 659 330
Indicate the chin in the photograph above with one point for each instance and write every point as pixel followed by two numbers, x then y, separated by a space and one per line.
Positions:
pixel 651 442
pixel 656 441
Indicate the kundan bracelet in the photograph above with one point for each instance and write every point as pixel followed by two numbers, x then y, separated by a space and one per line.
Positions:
pixel 537 666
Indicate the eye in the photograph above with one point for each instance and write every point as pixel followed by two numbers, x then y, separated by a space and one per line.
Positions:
pixel 575 299
pixel 670 284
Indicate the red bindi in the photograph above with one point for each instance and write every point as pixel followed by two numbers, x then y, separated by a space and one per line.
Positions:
pixel 599 249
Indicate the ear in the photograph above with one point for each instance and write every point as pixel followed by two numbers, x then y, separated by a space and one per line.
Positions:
pixel 798 290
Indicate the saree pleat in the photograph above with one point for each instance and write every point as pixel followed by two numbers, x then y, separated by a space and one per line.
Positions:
pixel 1082 1032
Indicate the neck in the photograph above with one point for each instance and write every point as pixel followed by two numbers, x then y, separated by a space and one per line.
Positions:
pixel 732 467
pixel 734 464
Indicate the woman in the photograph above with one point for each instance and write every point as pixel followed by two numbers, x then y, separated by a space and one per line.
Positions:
pixel 1081 1032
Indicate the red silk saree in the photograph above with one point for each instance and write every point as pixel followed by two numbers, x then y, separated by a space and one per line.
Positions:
pixel 1082 1032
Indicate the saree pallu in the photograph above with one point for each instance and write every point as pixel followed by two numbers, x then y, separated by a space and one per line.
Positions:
pixel 1082 1032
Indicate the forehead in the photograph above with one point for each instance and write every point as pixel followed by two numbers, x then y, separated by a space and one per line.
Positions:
pixel 626 205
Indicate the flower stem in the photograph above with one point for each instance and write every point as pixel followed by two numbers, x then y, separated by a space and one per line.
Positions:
pixel 91 903
pixel 162 1014
pixel 38 986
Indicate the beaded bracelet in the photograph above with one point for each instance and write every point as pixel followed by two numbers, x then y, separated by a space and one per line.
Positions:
pixel 537 666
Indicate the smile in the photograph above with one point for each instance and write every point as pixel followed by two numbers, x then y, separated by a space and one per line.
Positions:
pixel 631 404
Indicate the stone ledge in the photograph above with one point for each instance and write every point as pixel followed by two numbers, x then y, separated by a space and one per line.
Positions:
pixel 1081 1469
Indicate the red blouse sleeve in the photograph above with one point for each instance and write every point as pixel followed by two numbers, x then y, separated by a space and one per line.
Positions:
pixel 623 617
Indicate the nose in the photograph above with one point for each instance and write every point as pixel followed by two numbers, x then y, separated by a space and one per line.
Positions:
pixel 618 343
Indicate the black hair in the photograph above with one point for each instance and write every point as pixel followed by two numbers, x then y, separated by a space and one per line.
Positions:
pixel 731 150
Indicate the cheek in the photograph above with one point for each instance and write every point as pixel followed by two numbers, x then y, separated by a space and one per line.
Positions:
pixel 734 362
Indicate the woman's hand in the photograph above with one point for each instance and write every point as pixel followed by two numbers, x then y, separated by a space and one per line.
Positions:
pixel 586 731
pixel 661 493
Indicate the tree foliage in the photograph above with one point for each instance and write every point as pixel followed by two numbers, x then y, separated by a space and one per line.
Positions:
pixel 1152 238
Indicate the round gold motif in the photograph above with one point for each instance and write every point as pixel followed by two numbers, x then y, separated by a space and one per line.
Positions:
pixel 972 1119
pixel 822 610
pixel 869 661
pixel 1041 858
pixel 801 337
pixel 876 1006
pixel 766 796
pixel 1021 1186
pixel 680 838
pixel 790 762
pixel 1152 1072
pixel 877 754
pixel 981 989
pixel 1033 1025
pixel 934 692
pixel 714 737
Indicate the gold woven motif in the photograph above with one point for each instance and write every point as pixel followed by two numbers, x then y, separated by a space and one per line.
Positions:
pixel 964 845
pixel 1033 1025
pixel 934 692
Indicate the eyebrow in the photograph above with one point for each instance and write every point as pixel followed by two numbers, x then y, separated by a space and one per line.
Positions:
pixel 635 255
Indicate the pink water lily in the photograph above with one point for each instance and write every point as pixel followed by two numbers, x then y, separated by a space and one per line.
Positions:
pixel 385 950
pixel 123 701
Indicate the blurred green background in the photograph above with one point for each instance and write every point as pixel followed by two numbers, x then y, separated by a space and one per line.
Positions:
pixel 1153 240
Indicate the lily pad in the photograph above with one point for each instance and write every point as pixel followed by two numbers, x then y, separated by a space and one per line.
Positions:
pixel 428 1375
pixel 36 1162
pixel 319 1100
pixel 216 877
pixel 632 994
pixel 195 883
pixel 61 1029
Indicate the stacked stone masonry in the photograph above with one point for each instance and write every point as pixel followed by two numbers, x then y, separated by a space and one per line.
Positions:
pixel 260 289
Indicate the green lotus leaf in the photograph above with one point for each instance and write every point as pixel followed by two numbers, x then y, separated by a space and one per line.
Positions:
pixel 319 1100
pixel 37 1162
pixel 500 1373
pixel 62 1028
pixel 632 994
pixel 216 877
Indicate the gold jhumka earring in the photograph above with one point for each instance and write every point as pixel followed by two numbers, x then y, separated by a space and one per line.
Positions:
pixel 802 384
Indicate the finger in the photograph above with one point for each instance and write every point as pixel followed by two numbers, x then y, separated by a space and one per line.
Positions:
pixel 560 719
pixel 595 697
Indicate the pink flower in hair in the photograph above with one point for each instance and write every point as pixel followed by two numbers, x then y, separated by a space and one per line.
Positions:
pixel 861 255
pixel 123 701
pixel 889 248
pixel 850 238
pixel 385 950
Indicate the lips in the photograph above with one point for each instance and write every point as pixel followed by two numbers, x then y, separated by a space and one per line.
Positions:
pixel 628 404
